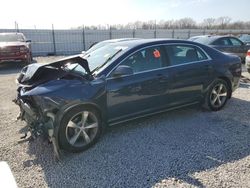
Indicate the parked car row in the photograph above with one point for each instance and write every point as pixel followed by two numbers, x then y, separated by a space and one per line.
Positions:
pixel 73 99
pixel 15 46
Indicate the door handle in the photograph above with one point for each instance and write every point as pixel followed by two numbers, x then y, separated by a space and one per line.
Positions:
pixel 209 67
pixel 136 89
pixel 162 78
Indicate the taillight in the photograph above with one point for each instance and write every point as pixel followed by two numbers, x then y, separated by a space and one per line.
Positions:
pixel 248 53
pixel 23 49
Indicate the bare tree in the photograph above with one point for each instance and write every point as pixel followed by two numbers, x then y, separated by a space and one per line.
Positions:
pixel 186 23
pixel 223 22
pixel 209 23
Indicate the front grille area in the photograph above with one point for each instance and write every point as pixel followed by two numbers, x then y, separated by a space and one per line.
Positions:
pixel 9 51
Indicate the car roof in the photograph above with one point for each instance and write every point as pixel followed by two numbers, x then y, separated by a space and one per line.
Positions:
pixel 118 40
pixel 142 42
pixel 208 39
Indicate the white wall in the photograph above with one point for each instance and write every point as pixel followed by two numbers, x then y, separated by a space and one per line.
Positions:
pixel 74 41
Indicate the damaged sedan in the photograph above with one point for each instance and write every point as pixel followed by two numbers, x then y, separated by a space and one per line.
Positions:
pixel 72 100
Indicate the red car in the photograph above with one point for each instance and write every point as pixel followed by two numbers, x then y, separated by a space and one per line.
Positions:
pixel 15 47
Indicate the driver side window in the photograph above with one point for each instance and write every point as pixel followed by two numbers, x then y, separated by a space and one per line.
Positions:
pixel 146 59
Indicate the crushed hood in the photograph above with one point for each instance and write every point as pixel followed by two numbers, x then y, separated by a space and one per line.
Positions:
pixel 37 73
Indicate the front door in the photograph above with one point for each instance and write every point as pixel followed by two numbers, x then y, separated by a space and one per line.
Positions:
pixel 144 90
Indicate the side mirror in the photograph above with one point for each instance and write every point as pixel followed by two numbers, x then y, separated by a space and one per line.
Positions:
pixel 28 40
pixel 122 70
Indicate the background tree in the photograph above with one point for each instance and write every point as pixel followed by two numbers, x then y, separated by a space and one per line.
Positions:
pixel 223 22
pixel 209 23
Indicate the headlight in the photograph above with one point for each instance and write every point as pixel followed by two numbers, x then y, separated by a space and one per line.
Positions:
pixel 23 49
pixel 47 103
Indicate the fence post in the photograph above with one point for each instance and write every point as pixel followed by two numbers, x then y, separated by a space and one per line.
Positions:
pixel 83 38
pixel 16 27
pixel 189 34
pixel 155 30
pixel 133 33
pixel 110 32
pixel 173 33
pixel 53 39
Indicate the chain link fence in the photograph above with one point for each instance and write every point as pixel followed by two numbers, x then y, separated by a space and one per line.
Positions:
pixel 66 42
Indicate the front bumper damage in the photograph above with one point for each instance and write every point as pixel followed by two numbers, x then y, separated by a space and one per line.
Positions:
pixel 38 123
pixel 43 92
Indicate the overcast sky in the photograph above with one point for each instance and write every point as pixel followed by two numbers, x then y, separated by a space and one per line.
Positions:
pixel 73 13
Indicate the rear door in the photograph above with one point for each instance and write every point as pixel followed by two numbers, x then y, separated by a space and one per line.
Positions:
pixel 191 71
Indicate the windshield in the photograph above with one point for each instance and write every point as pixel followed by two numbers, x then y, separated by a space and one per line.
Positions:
pixel 102 55
pixel 245 38
pixel 203 40
pixel 11 38
pixel 75 68
pixel 96 46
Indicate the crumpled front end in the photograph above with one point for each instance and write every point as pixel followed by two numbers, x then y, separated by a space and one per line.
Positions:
pixel 40 95
pixel 39 112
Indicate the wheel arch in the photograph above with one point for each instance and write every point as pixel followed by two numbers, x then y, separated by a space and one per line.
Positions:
pixel 85 104
pixel 67 108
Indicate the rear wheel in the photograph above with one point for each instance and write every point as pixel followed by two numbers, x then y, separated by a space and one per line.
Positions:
pixel 79 129
pixel 217 95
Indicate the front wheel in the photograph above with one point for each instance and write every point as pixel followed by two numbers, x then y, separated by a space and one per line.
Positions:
pixel 79 129
pixel 28 60
pixel 217 95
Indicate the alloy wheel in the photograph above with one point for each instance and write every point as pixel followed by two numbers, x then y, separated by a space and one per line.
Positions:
pixel 218 95
pixel 82 129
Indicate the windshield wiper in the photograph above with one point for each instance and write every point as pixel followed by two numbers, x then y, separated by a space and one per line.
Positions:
pixel 107 60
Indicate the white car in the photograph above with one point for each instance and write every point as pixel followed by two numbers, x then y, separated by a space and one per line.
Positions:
pixel 248 61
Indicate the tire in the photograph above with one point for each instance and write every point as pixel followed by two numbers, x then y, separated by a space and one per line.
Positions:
pixel 217 95
pixel 75 133
pixel 28 60
pixel 248 70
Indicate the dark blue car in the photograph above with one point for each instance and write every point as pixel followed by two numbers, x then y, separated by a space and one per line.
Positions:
pixel 73 99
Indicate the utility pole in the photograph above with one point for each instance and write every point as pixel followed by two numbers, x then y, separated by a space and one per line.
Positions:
pixel 16 27
pixel 53 39
pixel 155 30
pixel 83 38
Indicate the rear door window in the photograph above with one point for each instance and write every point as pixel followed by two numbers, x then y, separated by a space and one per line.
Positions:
pixel 222 42
pixel 235 42
pixel 182 54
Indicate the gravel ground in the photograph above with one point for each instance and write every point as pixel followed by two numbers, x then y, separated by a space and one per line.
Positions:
pixel 183 148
